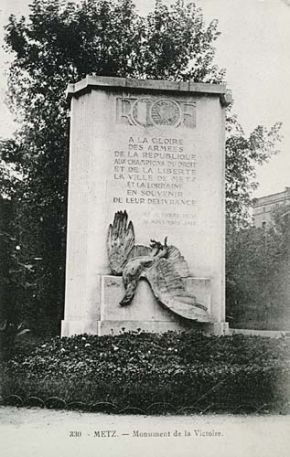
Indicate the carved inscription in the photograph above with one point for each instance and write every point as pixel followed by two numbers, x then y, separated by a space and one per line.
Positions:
pixel 157 172
pixel 149 112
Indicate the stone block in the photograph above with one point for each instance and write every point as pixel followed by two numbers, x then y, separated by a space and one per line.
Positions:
pixel 144 312
pixel 144 305
pixel 156 150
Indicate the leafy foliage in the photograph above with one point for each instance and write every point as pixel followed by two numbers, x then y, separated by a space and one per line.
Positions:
pixel 243 154
pixel 9 333
pixel 258 269
pixel 154 373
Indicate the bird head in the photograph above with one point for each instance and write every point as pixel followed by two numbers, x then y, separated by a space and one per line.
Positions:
pixel 159 248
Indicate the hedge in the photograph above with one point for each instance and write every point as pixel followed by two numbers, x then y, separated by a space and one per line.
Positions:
pixel 147 373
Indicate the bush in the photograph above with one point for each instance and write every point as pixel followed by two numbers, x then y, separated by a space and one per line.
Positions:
pixel 143 372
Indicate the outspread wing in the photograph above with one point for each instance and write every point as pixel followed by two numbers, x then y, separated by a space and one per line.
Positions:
pixel 169 289
pixel 120 241
pixel 178 262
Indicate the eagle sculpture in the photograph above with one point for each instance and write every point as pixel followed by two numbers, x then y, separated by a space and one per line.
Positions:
pixel 161 265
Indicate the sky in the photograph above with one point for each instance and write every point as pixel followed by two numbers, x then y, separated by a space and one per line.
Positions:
pixel 254 49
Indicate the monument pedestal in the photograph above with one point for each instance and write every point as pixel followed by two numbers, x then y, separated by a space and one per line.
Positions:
pixel 144 313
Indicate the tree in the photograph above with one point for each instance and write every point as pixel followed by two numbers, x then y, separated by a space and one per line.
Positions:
pixel 243 154
pixel 62 42
pixel 258 274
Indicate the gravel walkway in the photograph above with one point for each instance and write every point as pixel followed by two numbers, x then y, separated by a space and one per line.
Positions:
pixel 34 432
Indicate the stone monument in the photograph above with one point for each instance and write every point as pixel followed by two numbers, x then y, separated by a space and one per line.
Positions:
pixel 146 234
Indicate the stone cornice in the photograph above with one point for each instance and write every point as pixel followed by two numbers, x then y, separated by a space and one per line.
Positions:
pixel 164 86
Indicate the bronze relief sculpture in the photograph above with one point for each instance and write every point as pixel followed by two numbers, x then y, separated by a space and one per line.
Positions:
pixel 161 265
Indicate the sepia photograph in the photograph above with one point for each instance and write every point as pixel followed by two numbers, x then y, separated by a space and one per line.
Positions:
pixel 145 228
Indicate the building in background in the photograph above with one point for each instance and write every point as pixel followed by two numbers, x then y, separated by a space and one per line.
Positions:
pixel 264 207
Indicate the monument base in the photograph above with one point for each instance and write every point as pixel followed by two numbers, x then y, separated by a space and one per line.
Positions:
pixel 145 313
pixel 218 329
pixel 116 327
pixel 77 327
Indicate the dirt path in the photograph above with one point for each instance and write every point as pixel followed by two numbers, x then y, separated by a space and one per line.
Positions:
pixel 33 432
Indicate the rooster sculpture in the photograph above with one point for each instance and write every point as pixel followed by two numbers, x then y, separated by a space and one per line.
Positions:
pixel 161 265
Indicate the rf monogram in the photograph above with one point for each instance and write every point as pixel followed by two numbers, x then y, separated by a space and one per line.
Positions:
pixel 148 112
